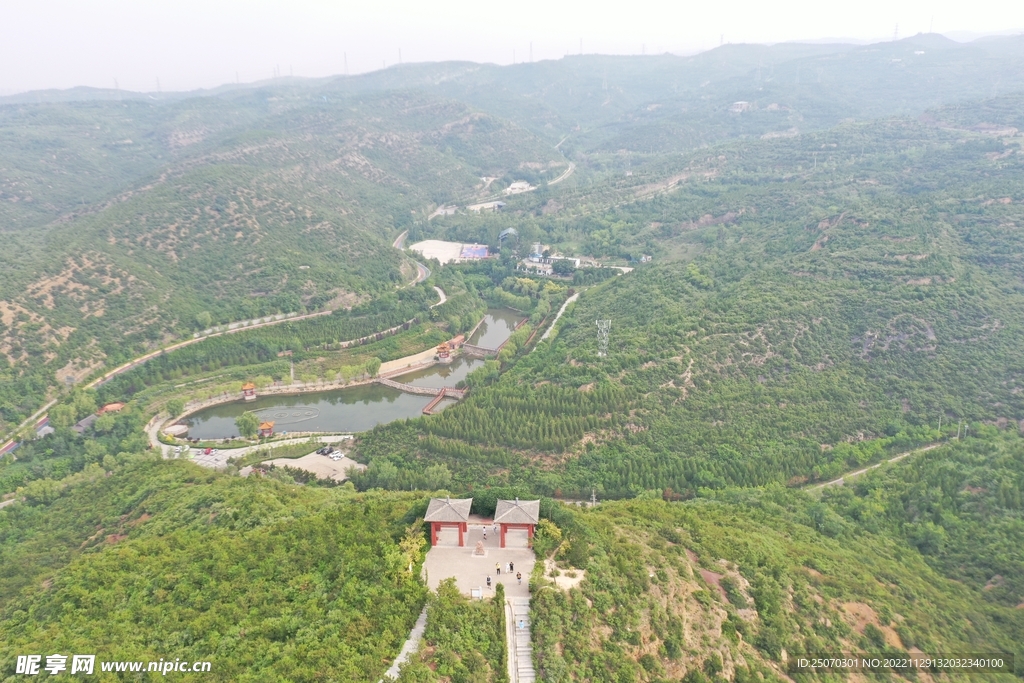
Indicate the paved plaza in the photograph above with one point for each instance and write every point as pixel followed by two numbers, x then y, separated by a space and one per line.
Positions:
pixel 471 571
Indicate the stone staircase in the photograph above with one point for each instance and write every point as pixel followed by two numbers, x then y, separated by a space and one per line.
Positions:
pixel 521 649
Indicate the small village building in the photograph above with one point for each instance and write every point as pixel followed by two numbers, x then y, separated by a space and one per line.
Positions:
pixel 111 408
pixel 444 352
pixel 84 424
pixel 266 429
pixel 249 391
pixel 517 515
pixel 448 513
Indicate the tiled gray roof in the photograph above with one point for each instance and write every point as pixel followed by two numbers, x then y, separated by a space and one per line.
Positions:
pixel 517 512
pixel 448 510
pixel 84 424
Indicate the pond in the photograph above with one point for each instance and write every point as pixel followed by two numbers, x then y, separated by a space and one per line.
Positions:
pixel 497 326
pixel 354 409
pixel 438 376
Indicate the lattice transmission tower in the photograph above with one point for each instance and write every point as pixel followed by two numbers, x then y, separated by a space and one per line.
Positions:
pixel 603 328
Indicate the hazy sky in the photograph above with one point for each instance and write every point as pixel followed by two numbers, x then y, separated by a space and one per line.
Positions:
pixel 203 43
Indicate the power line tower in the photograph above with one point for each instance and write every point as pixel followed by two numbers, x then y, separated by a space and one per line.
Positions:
pixel 603 328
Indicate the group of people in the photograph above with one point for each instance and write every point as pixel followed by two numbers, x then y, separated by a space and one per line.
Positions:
pixel 509 568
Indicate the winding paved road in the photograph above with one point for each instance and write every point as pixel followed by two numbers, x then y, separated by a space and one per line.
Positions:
pixel 568 172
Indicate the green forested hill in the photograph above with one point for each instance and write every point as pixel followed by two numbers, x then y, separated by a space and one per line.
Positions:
pixel 806 296
pixel 225 209
pixel 262 579
pixel 836 269
pixel 666 103
pixel 738 586
pixel 124 217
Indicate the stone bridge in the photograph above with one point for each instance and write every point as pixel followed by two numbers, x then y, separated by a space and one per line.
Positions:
pixel 478 351
pixel 481 352
pixel 423 391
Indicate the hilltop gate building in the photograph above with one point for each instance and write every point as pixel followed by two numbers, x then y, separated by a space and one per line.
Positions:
pixel 509 515
pixel 448 512
pixel 517 514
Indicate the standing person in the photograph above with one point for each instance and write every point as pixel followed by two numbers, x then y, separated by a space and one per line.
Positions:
pixel 521 624
pixel 497 568
pixel 519 575
pixel 488 580
pixel 511 567
pixel 485 533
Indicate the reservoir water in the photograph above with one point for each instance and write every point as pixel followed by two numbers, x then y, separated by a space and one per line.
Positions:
pixel 497 326
pixel 353 409
pixel 438 376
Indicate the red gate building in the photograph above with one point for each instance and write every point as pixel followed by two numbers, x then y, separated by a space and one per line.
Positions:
pixel 517 514
pixel 448 512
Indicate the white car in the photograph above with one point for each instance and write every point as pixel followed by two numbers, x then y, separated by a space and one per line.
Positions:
pixel 339 456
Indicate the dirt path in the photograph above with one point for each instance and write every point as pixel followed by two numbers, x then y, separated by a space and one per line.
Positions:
pixel 560 312
pixel 422 274
pixel 856 473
